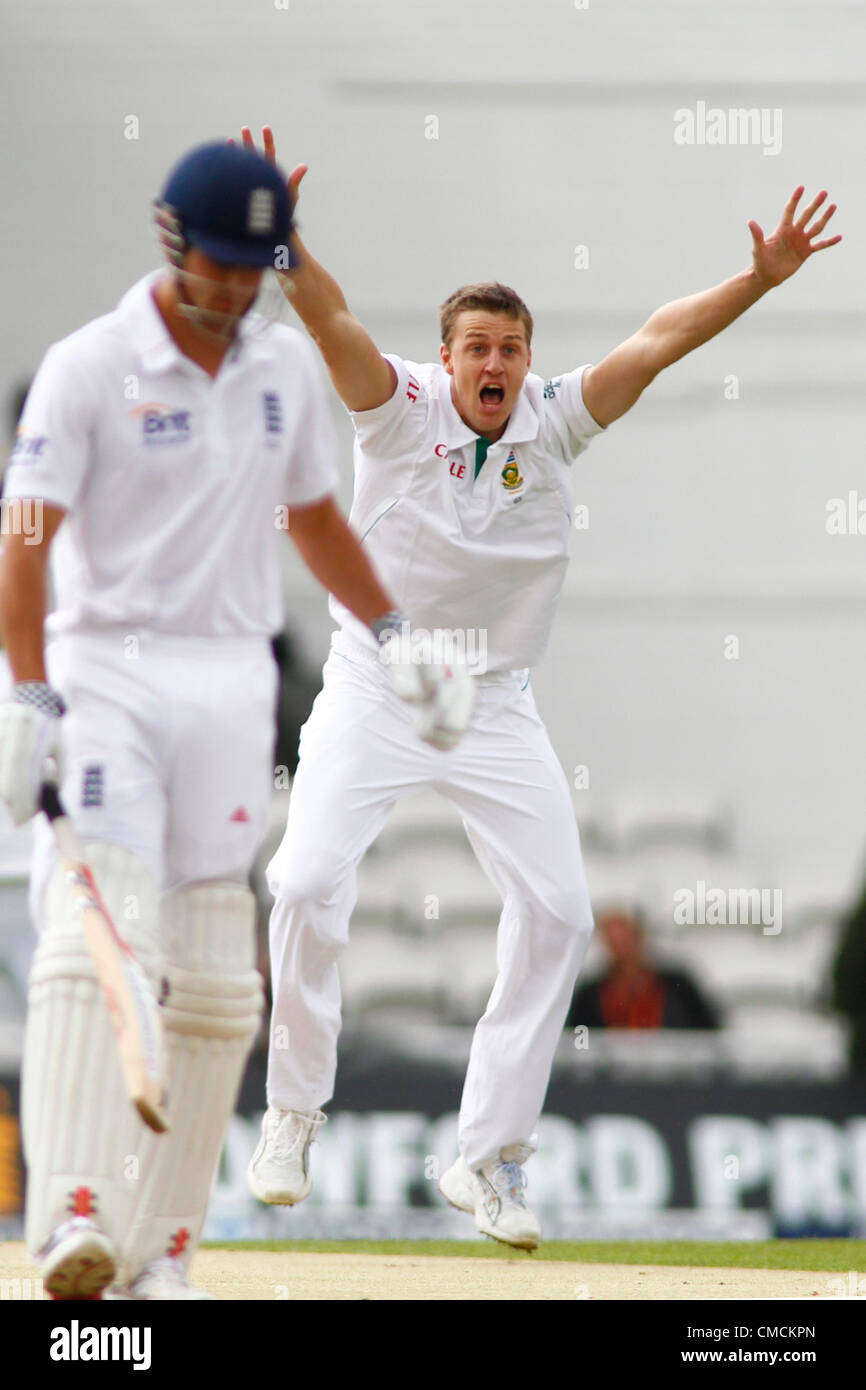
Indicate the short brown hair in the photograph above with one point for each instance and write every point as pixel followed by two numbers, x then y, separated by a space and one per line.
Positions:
pixel 495 298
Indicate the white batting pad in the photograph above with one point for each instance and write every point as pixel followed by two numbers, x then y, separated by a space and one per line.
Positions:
pixel 78 1123
pixel 211 1016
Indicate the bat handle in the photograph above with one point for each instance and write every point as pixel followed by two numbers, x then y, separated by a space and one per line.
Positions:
pixel 49 801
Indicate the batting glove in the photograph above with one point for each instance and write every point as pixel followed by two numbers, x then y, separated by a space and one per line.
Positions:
pixel 29 737
pixel 444 692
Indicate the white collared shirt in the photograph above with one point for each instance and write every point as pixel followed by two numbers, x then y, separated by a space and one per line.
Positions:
pixel 482 556
pixel 176 484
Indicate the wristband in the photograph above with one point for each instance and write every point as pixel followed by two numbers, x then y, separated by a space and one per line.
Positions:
pixel 389 624
pixel 39 696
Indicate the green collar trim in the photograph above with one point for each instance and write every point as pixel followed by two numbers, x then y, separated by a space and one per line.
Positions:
pixel 481 447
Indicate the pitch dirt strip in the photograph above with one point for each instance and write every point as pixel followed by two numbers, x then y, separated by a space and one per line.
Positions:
pixel 239 1274
pixel 271 1276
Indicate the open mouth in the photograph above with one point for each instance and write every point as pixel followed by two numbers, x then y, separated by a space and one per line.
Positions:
pixel 491 395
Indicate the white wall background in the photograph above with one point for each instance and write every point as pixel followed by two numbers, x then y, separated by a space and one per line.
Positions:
pixel 707 515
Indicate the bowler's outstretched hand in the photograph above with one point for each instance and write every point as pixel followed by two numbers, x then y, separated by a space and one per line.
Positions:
pixel 777 257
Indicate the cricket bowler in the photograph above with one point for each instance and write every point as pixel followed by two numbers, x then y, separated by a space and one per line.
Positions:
pixel 463 498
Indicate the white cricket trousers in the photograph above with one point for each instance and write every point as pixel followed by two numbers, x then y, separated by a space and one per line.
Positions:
pixel 168 749
pixel 358 754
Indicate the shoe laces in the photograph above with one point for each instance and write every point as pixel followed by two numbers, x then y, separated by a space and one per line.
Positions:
pixel 293 1130
pixel 509 1180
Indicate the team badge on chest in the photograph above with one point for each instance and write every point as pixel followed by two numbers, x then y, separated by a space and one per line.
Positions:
pixel 512 480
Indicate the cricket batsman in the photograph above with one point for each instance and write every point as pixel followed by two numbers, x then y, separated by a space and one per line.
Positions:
pixel 463 499
pixel 167 445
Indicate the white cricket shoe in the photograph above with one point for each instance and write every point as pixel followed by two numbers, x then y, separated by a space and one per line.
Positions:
pixel 162 1280
pixel 279 1171
pixel 494 1194
pixel 78 1260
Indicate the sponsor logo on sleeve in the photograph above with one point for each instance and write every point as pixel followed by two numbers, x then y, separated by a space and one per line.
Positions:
pixel 28 446
pixel 551 387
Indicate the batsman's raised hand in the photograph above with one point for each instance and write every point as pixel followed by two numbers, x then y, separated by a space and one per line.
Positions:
pixel 779 256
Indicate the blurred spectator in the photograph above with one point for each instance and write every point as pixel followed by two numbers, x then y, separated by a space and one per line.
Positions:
pixel 634 993
pixel 849 981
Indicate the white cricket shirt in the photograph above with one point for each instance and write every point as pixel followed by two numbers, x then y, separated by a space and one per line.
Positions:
pixel 173 480
pixel 484 555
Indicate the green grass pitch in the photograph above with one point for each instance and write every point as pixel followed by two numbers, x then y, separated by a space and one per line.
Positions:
pixel 835 1255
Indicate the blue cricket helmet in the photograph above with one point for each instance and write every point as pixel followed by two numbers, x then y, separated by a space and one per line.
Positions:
pixel 231 203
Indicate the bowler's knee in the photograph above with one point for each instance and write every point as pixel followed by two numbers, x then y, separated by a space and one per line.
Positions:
pixel 319 878
pixel 572 915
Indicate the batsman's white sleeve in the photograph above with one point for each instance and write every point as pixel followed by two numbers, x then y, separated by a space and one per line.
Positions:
pixel 52 450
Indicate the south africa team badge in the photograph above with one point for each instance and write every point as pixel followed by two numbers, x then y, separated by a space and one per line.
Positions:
pixel 511 479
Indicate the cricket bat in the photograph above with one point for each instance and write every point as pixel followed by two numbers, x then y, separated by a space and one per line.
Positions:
pixel 131 1003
